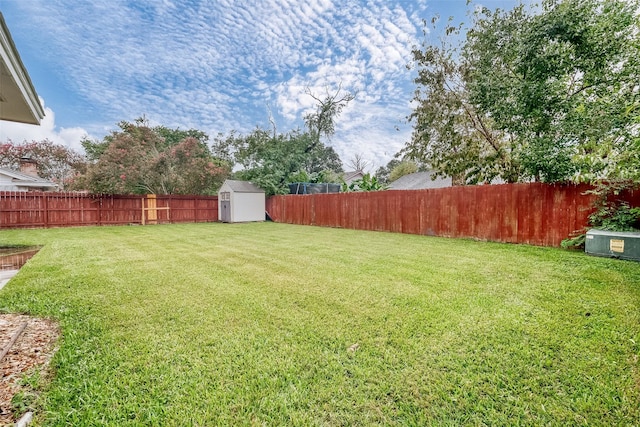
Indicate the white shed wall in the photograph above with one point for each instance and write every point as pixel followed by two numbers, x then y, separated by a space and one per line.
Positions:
pixel 247 207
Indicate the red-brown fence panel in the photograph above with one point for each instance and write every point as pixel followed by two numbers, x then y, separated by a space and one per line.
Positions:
pixel 52 209
pixel 533 213
pixel 22 209
pixel 191 208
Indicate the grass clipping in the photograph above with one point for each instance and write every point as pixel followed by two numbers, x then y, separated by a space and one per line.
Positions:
pixel 26 362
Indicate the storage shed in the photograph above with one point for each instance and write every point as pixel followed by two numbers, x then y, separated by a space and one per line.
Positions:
pixel 240 201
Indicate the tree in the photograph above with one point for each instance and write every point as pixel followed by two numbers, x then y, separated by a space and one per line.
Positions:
pixel 382 174
pixel 169 138
pixel 55 162
pixel 358 162
pixel 127 163
pixel 560 83
pixel 403 168
pixel 322 121
pixel 548 94
pixel 450 134
pixel 272 160
pixel 174 137
pixel 93 148
pixel 138 159
pixel 191 169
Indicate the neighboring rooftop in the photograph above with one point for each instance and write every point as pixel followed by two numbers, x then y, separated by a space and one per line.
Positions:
pixel 351 176
pixel 419 181
pixel 243 186
pixel 11 180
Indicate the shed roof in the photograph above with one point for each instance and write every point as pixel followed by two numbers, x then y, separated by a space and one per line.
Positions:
pixel 419 181
pixel 243 186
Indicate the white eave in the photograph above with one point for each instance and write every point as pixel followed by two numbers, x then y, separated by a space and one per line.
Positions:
pixel 18 98
pixel 41 184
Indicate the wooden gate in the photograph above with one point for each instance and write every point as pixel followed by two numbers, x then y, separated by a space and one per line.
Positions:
pixel 150 212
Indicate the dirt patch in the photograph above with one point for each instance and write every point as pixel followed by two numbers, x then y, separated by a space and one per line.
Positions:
pixel 30 352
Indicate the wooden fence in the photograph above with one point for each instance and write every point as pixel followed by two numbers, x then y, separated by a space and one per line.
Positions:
pixel 37 209
pixel 535 213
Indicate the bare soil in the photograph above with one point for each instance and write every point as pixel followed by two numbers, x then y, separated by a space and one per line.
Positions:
pixel 31 352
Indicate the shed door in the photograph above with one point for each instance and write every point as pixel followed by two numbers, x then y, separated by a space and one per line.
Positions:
pixel 225 203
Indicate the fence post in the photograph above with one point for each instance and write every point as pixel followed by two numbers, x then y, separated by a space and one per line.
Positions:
pixel 143 211
pixel 100 210
pixel 45 206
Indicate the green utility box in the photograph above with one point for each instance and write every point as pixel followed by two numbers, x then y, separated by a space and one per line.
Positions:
pixel 616 244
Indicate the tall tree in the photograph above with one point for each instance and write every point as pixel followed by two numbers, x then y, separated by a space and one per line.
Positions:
pixel 192 169
pixel 270 160
pixel 406 167
pixel 358 162
pixel 383 172
pixel 138 159
pixel 561 83
pixel 173 137
pixel 450 134
pixel 322 121
pixel 548 94
pixel 169 138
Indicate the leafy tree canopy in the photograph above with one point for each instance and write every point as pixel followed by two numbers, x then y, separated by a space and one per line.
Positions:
pixel 138 159
pixel 168 138
pixel 403 168
pixel 548 94
pixel 398 167
pixel 383 172
pixel 322 121
pixel 271 159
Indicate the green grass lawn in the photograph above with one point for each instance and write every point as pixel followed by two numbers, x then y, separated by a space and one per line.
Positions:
pixel 255 324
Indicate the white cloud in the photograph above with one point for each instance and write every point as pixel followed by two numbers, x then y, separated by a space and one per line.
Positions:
pixel 20 132
pixel 218 65
pixel 376 130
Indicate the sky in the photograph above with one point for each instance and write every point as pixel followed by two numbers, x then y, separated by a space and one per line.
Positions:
pixel 223 65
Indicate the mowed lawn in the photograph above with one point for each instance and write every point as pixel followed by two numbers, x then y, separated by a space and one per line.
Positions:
pixel 274 324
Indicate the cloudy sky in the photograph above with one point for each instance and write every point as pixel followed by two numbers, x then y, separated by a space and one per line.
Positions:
pixel 222 65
